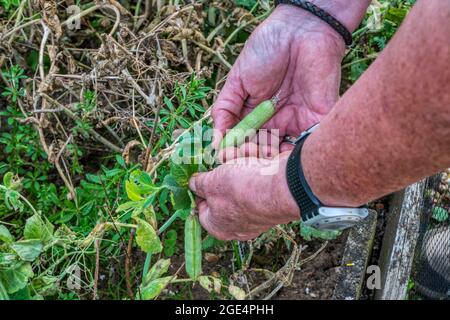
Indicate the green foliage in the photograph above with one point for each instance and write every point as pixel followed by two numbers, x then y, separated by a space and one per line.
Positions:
pixel 370 41
pixel 147 238
pixel 247 4
pixel 309 233
pixel 170 242
pixel 182 109
pixel 153 282
pixel 13 76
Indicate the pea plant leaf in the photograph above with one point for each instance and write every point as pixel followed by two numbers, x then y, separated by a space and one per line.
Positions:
pixel 15 279
pixel 309 233
pixel 5 235
pixel 146 237
pixel 27 250
pixel 132 191
pixel 154 288
pixel 180 194
pixel 170 242
pixel 3 293
pixel 8 179
pixel 7 259
pixel 158 269
pixel 37 228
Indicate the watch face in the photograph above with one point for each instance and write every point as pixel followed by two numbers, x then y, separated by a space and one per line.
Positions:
pixel 330 219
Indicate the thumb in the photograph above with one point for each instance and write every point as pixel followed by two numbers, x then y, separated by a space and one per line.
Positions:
pixel 228 106
pixel 199 184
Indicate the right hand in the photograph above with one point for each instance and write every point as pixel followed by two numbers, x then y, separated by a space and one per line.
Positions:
pixel 291 52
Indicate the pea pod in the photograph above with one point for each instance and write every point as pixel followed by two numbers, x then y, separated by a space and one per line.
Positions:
pixel 193 246
pixel 247 127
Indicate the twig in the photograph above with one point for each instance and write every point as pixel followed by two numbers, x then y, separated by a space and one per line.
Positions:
pixel 97 267
pixel 214 52
pixel 42 51
pixel 92 9
pixel 91 131
pixel 149 100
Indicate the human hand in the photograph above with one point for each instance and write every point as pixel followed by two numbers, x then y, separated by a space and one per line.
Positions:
pixel 293 53
pixel 244 197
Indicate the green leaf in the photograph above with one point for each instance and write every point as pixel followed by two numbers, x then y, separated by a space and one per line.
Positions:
pixel 309 233
pixel 22 294
pixel 132 191
pixel 396 15
pixel 121 161
pixel 129 205
pixel 146 237
pixel 7 259
pixel 181 173
pixel 8 179
pixel 3 292
pixel 28 250
pixel 45 285
pixel 5 235
pixel 154 288
pixel 170 242
pixel 180 195
pixel 210 242
pixel 37 228
pixel 16 278
pixel 236 292
pixel 158 269
pixel 439 214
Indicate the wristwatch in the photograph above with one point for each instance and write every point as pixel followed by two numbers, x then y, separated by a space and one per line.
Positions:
pixel 313 212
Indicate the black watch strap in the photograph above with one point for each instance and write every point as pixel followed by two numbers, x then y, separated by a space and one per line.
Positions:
pixel 323 15
pixel 298 186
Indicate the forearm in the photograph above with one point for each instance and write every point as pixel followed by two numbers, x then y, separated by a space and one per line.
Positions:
pixel 392 127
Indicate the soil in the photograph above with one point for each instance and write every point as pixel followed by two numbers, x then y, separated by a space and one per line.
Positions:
pixel 318 277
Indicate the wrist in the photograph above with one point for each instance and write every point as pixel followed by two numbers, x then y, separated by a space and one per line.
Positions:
pixel 348 12
pixel 285 202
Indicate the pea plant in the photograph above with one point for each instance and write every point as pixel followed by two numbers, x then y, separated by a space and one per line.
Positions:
pixel 144 196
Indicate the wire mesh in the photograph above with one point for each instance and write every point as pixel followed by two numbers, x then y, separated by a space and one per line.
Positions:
pixel 432 261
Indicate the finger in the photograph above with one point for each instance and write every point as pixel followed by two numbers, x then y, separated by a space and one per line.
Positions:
pixel 249 149
pixel 205 217
pixel 228 106
pixel 200 184
pixel 286 146
pixel 246 236
pixel 228 154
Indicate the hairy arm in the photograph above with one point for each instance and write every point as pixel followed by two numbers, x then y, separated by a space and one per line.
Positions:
pixel 392 127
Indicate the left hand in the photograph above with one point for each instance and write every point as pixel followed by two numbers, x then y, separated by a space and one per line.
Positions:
pixel 242 199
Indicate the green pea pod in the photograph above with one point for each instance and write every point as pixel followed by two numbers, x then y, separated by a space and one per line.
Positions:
pixel 247 127
pixel 193 246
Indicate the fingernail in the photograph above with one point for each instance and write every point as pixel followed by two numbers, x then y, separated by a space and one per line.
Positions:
pixel 192 182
